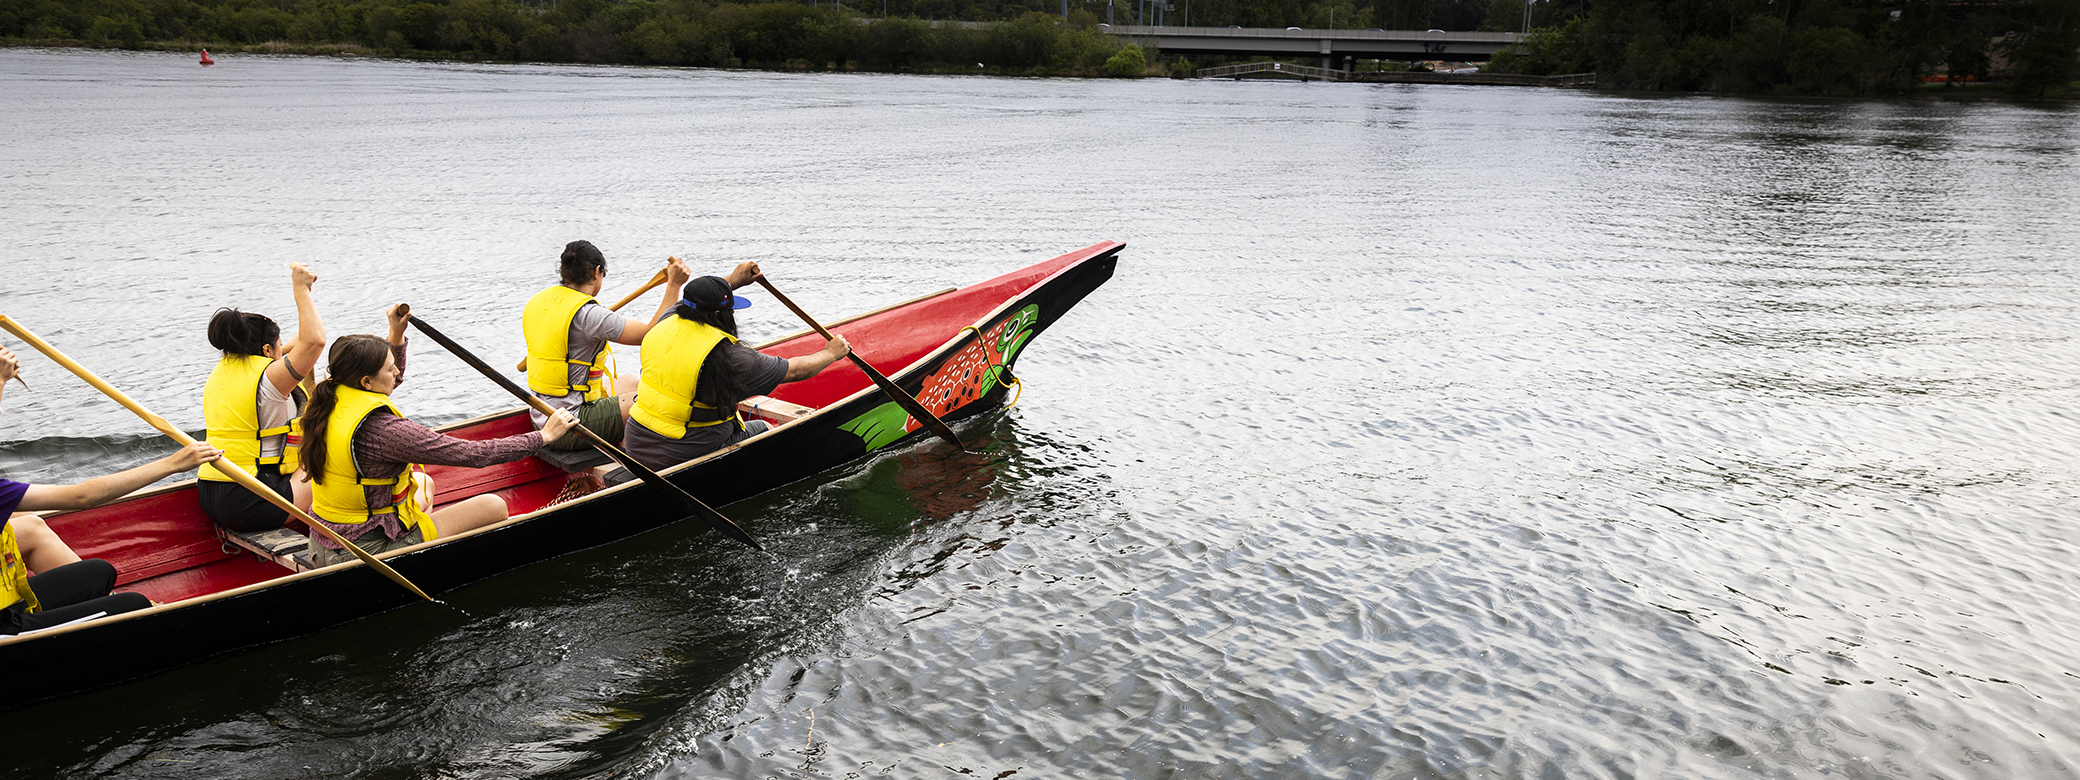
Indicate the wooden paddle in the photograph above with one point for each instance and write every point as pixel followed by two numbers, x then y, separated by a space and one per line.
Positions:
pixel 694 505
pixel 236 473
pixel 908 402
pixel 647 286
pixel 625 300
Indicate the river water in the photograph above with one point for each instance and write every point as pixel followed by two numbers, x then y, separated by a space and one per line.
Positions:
pixel 1424 431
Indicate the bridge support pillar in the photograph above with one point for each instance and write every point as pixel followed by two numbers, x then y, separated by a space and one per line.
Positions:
pixel 1326 54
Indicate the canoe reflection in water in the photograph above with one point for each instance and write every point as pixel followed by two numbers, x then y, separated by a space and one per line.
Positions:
pixel 924 487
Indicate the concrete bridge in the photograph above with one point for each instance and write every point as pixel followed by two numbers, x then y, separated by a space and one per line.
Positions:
pixel 1336 48
pixel 1305 72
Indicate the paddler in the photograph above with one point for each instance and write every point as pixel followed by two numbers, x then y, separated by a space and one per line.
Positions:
pixel 570 364
pixel 43 583
pixel 695 372
pixel 363 454
pixel 250 406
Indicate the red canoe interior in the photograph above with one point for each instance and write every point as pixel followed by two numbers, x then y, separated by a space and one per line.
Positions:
pixel 164 548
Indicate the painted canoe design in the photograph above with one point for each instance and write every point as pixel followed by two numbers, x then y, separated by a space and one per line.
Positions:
pixel 954 349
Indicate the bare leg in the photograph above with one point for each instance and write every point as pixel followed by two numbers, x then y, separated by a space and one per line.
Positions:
pixel 41 548
pixel 474 513
pixel 461 516
pixel 625 389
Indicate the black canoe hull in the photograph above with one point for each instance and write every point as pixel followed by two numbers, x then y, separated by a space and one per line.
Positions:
pixel 82 657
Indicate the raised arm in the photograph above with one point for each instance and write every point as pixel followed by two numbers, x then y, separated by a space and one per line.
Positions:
pixel 397 314
pixel 101 490
pixel 302 356
pixel 675 275
pixel 9 368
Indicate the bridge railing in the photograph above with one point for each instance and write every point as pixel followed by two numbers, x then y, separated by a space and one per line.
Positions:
pixel 1402 77
pixel 1275 32
pixel 1303 71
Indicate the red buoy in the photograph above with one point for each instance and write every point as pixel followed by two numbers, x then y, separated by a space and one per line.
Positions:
pixel 205 58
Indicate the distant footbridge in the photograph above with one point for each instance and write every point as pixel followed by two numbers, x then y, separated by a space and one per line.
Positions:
pixel 1304 72
pixel 1338 49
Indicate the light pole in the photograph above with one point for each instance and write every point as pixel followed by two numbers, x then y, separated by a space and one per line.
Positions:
pixel 1527 16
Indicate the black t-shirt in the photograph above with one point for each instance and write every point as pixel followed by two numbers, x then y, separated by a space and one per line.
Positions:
pixel 755 372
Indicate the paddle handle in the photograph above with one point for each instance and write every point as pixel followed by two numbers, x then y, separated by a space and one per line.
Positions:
pixel 871 372
pixel 106 389
pixel 230 469
pixel 647 286
pixel 789 303
pixel 625 300
pixel 888 387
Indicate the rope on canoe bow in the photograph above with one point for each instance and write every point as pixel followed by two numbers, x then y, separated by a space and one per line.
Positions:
pixel 1018 384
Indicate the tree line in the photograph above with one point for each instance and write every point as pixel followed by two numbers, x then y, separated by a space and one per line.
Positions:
pixel 1023 36
pixel 1803 46
pixel 1795 46
pixel 644 32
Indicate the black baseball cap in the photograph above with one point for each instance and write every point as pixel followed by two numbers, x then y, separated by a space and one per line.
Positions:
pixel 711 293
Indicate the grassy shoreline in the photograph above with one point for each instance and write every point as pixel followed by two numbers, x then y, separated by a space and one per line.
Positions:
pixel 357 50
pixel 1977 91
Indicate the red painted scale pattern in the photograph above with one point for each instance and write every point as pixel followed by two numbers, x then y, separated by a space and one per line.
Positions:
pixel 960 381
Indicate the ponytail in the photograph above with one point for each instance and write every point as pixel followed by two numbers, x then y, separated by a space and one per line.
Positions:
pixel 317 415
pixel 351 359
pixel 242 333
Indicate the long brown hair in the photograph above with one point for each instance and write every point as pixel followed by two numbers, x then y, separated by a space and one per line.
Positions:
pixel 351 359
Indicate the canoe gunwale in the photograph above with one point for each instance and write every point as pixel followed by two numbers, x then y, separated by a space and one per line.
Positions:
pixel 50 644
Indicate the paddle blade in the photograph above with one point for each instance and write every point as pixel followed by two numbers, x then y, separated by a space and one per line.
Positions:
pixel 909 403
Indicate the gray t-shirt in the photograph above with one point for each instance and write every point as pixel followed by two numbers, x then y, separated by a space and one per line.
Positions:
pixel 591 329
pixel 275 408
pixel 755 372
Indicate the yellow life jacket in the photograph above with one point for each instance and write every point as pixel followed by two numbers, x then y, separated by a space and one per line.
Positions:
pixel 231 411
pixel 673 352
pixel 14 574
pixel 547 323
pixel 339 497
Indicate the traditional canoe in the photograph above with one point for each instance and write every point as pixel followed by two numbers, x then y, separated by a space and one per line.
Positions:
pixel 954 349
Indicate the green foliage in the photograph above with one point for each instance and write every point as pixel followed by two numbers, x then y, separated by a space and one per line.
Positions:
pixel 657 32
pixel 1547 51
pixel 1803 46
pixel 1128 63
pixel 1809 46
pixel 2043 53
pixel 487 27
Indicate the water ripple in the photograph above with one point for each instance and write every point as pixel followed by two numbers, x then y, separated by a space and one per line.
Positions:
pixel 1424 431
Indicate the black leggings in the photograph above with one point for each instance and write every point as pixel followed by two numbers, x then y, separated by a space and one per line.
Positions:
pixel 68 593
pixel 232 506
